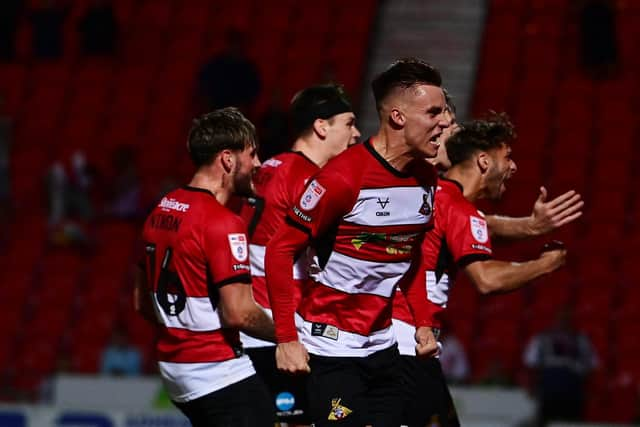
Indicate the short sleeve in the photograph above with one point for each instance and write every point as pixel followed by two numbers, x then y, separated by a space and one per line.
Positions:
pixel 467 235
pixel 226 246
pixel 324 200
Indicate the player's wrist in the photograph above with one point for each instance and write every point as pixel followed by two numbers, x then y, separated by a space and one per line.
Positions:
pixel 286 337
pixel 532 226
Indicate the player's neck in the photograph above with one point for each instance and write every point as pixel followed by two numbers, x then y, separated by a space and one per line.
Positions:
pixel 218 184
pixel 312 150
pixel 392 150
pixel 472 187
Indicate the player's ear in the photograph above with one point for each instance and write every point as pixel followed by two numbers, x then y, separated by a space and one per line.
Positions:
pixel 397 117
pixel 227 159
pixel 483 161
pixel 320 127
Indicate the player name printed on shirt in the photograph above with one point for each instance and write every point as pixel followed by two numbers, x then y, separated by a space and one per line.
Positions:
pixel 238 246
pixel 172 204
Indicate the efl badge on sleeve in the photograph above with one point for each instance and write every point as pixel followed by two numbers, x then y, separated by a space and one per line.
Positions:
pixel 311 196
pixel 238 245
pixel 479 229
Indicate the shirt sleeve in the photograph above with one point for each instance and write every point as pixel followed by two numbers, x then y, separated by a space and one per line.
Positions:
pixel 324 200
pixel 227 250
pixel 413 285
pixel 467 235
pixel 321 203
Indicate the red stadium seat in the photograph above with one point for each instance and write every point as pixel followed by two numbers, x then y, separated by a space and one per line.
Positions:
pixel 13 79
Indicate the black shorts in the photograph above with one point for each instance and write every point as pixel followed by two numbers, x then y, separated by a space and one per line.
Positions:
pixel 288 392
pixel 356 391
pixel 426 394
pixel 242 404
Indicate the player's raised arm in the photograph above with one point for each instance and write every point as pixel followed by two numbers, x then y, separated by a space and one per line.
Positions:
pixel 546 216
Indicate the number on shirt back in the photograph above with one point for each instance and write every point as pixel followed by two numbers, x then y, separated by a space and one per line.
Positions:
pixel 170 292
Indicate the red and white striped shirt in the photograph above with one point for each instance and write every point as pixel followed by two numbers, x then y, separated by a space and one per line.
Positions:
pixel 365 219
pixel 459 237
pixel 194 245
pixel 278 182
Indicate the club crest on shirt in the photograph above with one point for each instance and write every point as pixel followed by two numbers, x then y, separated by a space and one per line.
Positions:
pixel 311 195
pixel 479 229
pixel 238 246
pixel 427 202
pixel 338 411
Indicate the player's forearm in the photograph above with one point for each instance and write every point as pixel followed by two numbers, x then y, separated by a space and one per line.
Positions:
pixel 502 276
pixel 507 227
pixel 258 324
pixel 279 260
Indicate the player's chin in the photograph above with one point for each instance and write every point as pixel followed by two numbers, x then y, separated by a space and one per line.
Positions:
pixel 431 150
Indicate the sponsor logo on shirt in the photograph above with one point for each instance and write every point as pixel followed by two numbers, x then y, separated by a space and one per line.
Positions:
pixel 301 215
pixel 324 330
pixel 311 195
pixel 338 411
pixel 173 204
pixel 383 203
pixel 481 248
pixel 479 229
pixel 238 246
pixel 239 267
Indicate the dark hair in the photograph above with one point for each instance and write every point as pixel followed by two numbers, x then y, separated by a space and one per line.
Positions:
pixel 480 135
pixel 403 74
pixel 317 102
pixel 223 129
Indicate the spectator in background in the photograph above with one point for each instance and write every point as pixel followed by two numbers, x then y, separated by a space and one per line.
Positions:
pixel 230 78
pixel 120 357
pixel 10 11
pixel 98 29
pixel 69 197
pixel 125 195
pixel 598 38
pixel 561 358
pixel 47 21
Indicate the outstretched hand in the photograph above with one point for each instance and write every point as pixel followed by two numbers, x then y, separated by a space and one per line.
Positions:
pixel 550 215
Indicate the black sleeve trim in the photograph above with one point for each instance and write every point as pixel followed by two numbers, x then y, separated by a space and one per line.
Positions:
pixel 300 227
pixel 241 278
pixel 468 259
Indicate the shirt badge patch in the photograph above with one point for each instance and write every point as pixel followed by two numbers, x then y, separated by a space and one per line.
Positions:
pixel 338 411
pixel 238 245
pixel 427 203
pixel 312 195
pixel 479 229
